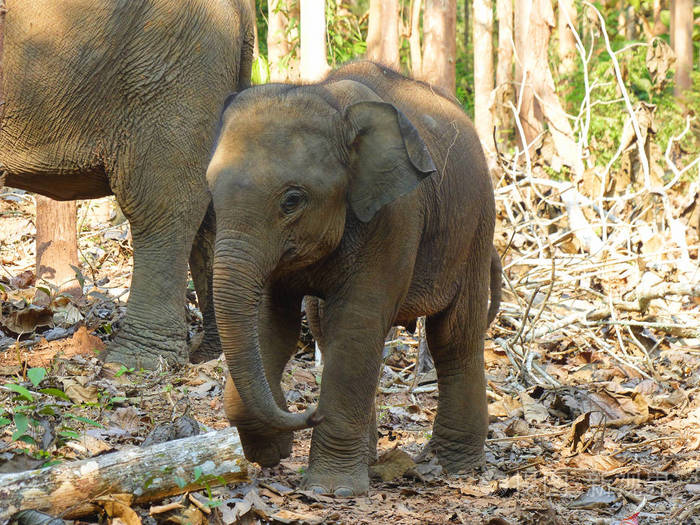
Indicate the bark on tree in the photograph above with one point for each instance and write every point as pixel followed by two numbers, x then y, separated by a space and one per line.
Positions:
pixel 414 39
pixel 440 47
pixel 539 99
pixel 313 64
pixel 504 68
pixel 278 44
pixel 658 27
pixel 149 473
pixel 383 32
pixel 521 15
pixel 567 42
pixel 682 34
pixel 483 73
pixel 467 16
pixel 57 244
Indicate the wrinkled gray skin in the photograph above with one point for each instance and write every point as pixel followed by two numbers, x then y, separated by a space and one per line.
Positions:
pixel 371 192
pixel 124 97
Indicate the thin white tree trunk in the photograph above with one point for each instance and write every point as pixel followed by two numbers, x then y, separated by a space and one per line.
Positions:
pixel 383 32
pixel 504 68
pixel 520 29
pixel 539 101
pixel 313 65
pixel 278 45
pixel 414 39
pixel 483 73
pixel 682 33
pixel 567 42
pixel 440 43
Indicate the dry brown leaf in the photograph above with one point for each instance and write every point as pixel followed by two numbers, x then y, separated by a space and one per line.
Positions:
pixel 578 429
pixel 595 462
pixel 118 508
pixel 533 410
pixel 287 516
pixel 89 445
pixel 28 319
pixel 392 465
pixel 127 418
pixel 78 392
pixel 188 516
pixel 659 59
pixel 23 280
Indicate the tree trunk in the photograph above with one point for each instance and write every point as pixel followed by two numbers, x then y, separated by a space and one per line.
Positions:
pixel 467 12
pixel 682 35
pixel 658 28
pixel 278 45
pixel 630 22
pixel 521 17
pixel 414 39
pixel 383 32
pixel 149 473
pixel 504 69
pixel 57 244
pixel 567 42
pixel 313 65
pixel 439 54
pixel 537 79
pixel 483 73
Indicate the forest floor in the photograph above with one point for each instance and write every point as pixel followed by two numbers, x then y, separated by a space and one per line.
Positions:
pixel 586 425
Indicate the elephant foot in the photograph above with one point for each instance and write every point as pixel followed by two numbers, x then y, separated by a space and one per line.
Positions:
pixel 267 451
pixel 205 348
pixel 339 484
pixel 455 451
pixel 143 355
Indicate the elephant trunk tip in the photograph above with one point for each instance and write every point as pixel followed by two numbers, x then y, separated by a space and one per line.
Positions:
pixel 299 421
pixel 313 418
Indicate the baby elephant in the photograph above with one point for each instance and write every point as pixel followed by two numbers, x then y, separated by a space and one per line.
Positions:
pixel 369 191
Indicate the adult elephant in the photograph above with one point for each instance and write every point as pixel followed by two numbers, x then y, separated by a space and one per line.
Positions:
pixel 123 97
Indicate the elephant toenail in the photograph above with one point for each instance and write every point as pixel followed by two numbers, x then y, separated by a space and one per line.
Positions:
pixel 343 492
pixel 317 489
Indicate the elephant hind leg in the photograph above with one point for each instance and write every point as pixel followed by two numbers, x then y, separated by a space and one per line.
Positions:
pixel 456 342
pixel 201 266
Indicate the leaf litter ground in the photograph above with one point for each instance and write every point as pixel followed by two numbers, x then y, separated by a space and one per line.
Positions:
pixel 583 429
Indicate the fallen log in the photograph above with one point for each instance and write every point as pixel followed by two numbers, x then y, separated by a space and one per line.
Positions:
pixel 149 473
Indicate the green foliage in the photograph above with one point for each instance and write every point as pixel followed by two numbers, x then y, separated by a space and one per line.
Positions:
pixel 346 33
pixel 609 113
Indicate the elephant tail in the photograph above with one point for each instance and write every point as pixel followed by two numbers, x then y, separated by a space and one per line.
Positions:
pixel 495 286
pixel 245 68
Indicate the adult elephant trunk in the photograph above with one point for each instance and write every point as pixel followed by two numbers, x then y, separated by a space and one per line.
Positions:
pixel 238 284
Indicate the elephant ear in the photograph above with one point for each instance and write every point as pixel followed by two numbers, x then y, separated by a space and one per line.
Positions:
pixel 220 125
pixel 387 155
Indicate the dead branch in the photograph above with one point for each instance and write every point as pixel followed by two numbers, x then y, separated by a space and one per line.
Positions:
pixel 149 473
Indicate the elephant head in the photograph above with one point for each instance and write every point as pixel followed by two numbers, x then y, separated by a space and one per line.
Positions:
pixel 290 165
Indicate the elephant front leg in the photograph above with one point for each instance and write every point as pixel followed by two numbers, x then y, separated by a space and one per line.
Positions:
pixel 280 322
pixel 201 264
pixel 344 444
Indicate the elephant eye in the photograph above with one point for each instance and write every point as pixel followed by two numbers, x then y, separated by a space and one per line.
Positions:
pixel 293 199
